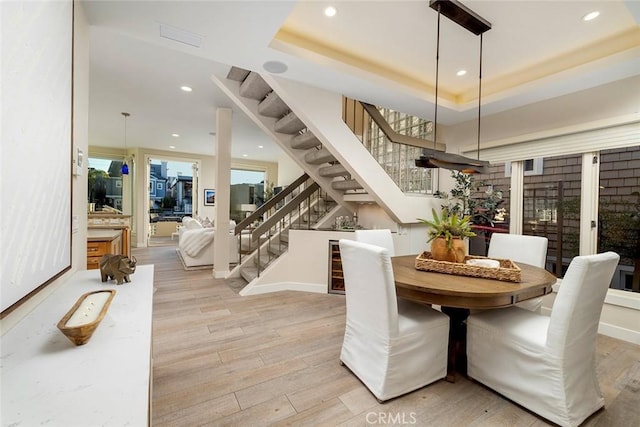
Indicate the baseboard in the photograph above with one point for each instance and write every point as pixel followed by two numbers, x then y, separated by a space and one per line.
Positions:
pixel 620 305
pixel 195 267
pixel 610 330
pixel 220 274
pixel 618 332
pixel 284 286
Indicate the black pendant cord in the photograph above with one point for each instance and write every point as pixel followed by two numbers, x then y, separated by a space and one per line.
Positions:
pixel 479 96
pixel 435 115
pixel 477 25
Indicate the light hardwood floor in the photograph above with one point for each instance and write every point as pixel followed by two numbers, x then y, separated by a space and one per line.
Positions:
pixel 220 359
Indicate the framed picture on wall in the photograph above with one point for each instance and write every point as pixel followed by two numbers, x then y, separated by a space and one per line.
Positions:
pixel 209 197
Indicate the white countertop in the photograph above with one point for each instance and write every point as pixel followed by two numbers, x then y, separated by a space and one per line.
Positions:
pixel 47 380
pixel 103 234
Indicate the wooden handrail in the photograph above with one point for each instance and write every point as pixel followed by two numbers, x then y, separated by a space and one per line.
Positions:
pixel 293 204
pixel 396 137
pixel 270 203
pixel 489 228
pixel 435 152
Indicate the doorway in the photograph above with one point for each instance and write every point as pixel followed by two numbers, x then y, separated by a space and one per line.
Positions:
pixel 247 192
pixel 172 196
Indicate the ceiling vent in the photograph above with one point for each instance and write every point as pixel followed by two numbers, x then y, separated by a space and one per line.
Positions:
pixel 180 35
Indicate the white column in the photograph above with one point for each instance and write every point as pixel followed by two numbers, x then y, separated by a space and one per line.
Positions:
pixel 590 182
pixel 140 218
pixel 516 198
pixel 195 189
pixel 222 151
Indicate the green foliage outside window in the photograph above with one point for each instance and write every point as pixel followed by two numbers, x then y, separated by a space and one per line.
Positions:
pixel 467 198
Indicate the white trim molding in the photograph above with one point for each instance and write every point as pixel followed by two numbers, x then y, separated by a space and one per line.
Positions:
pixel 590 178
pixel 318 288
pixel 588 137
pixel 620 317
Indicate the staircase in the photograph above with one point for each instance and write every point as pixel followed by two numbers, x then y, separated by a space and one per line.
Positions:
pixel 301 205
pixel 249 271
pixel 315 136
pixel 307 123
pixel 316 157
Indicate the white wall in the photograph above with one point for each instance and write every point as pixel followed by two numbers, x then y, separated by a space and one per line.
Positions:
pixel 620 317
pixel 614 100
pixel 79 183
pixel 80 133
pixel 288 170
pixel 374 217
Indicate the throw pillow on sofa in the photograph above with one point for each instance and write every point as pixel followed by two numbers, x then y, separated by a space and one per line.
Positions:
pixel 190 223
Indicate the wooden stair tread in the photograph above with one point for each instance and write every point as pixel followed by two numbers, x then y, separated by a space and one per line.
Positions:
pixel 333 171
pixel 289 124
pixel 254 87
pixel 304 141
pixel 273 106
pixel 319 157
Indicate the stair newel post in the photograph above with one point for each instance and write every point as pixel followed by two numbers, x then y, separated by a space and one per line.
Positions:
pixel 258 263
pixel 239 247
pixel 309 212
pixel 267 247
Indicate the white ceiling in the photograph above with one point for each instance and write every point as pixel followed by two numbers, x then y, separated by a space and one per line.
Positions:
pixel 382 52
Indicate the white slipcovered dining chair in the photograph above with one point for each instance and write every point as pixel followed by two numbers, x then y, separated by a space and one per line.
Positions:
pixel 530 250
pixel 393 346
pixel 380 238
pixel 546 364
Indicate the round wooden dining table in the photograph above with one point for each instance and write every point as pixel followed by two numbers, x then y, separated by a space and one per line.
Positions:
pixel 465 291
pixel 457 295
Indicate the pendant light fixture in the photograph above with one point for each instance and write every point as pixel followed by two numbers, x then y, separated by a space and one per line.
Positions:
pixel 125 167
pixel 467 19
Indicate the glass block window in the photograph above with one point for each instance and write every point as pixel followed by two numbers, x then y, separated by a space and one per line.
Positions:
pixel 398 160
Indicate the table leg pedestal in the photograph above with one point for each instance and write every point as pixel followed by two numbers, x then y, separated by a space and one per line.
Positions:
pixel 457 362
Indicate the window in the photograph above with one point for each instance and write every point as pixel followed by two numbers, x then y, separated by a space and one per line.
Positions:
pixel 552 209
pixel 553 201
pixel 619 213
pixel 247 188
pixel 104 183
pixel 398 160
pixel 531 167
pixel 170 188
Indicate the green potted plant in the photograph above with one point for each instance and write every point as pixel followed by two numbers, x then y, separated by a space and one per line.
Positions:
pixel 447 232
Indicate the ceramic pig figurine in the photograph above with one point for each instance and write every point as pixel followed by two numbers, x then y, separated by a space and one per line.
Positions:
pixel 117 267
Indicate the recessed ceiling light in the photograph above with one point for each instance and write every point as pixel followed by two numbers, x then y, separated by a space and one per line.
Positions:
pixel 330 11
pixel 591 16
pixel 245 155
pixel 186 88
pixel 175 135
pixel 275 67
pixel 172 147
pixel 260 146
pixel 461 73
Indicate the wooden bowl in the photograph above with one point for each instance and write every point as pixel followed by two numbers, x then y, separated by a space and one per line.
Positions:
pixel 86 314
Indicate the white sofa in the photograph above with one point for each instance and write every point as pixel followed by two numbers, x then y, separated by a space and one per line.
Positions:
pixel 195 243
